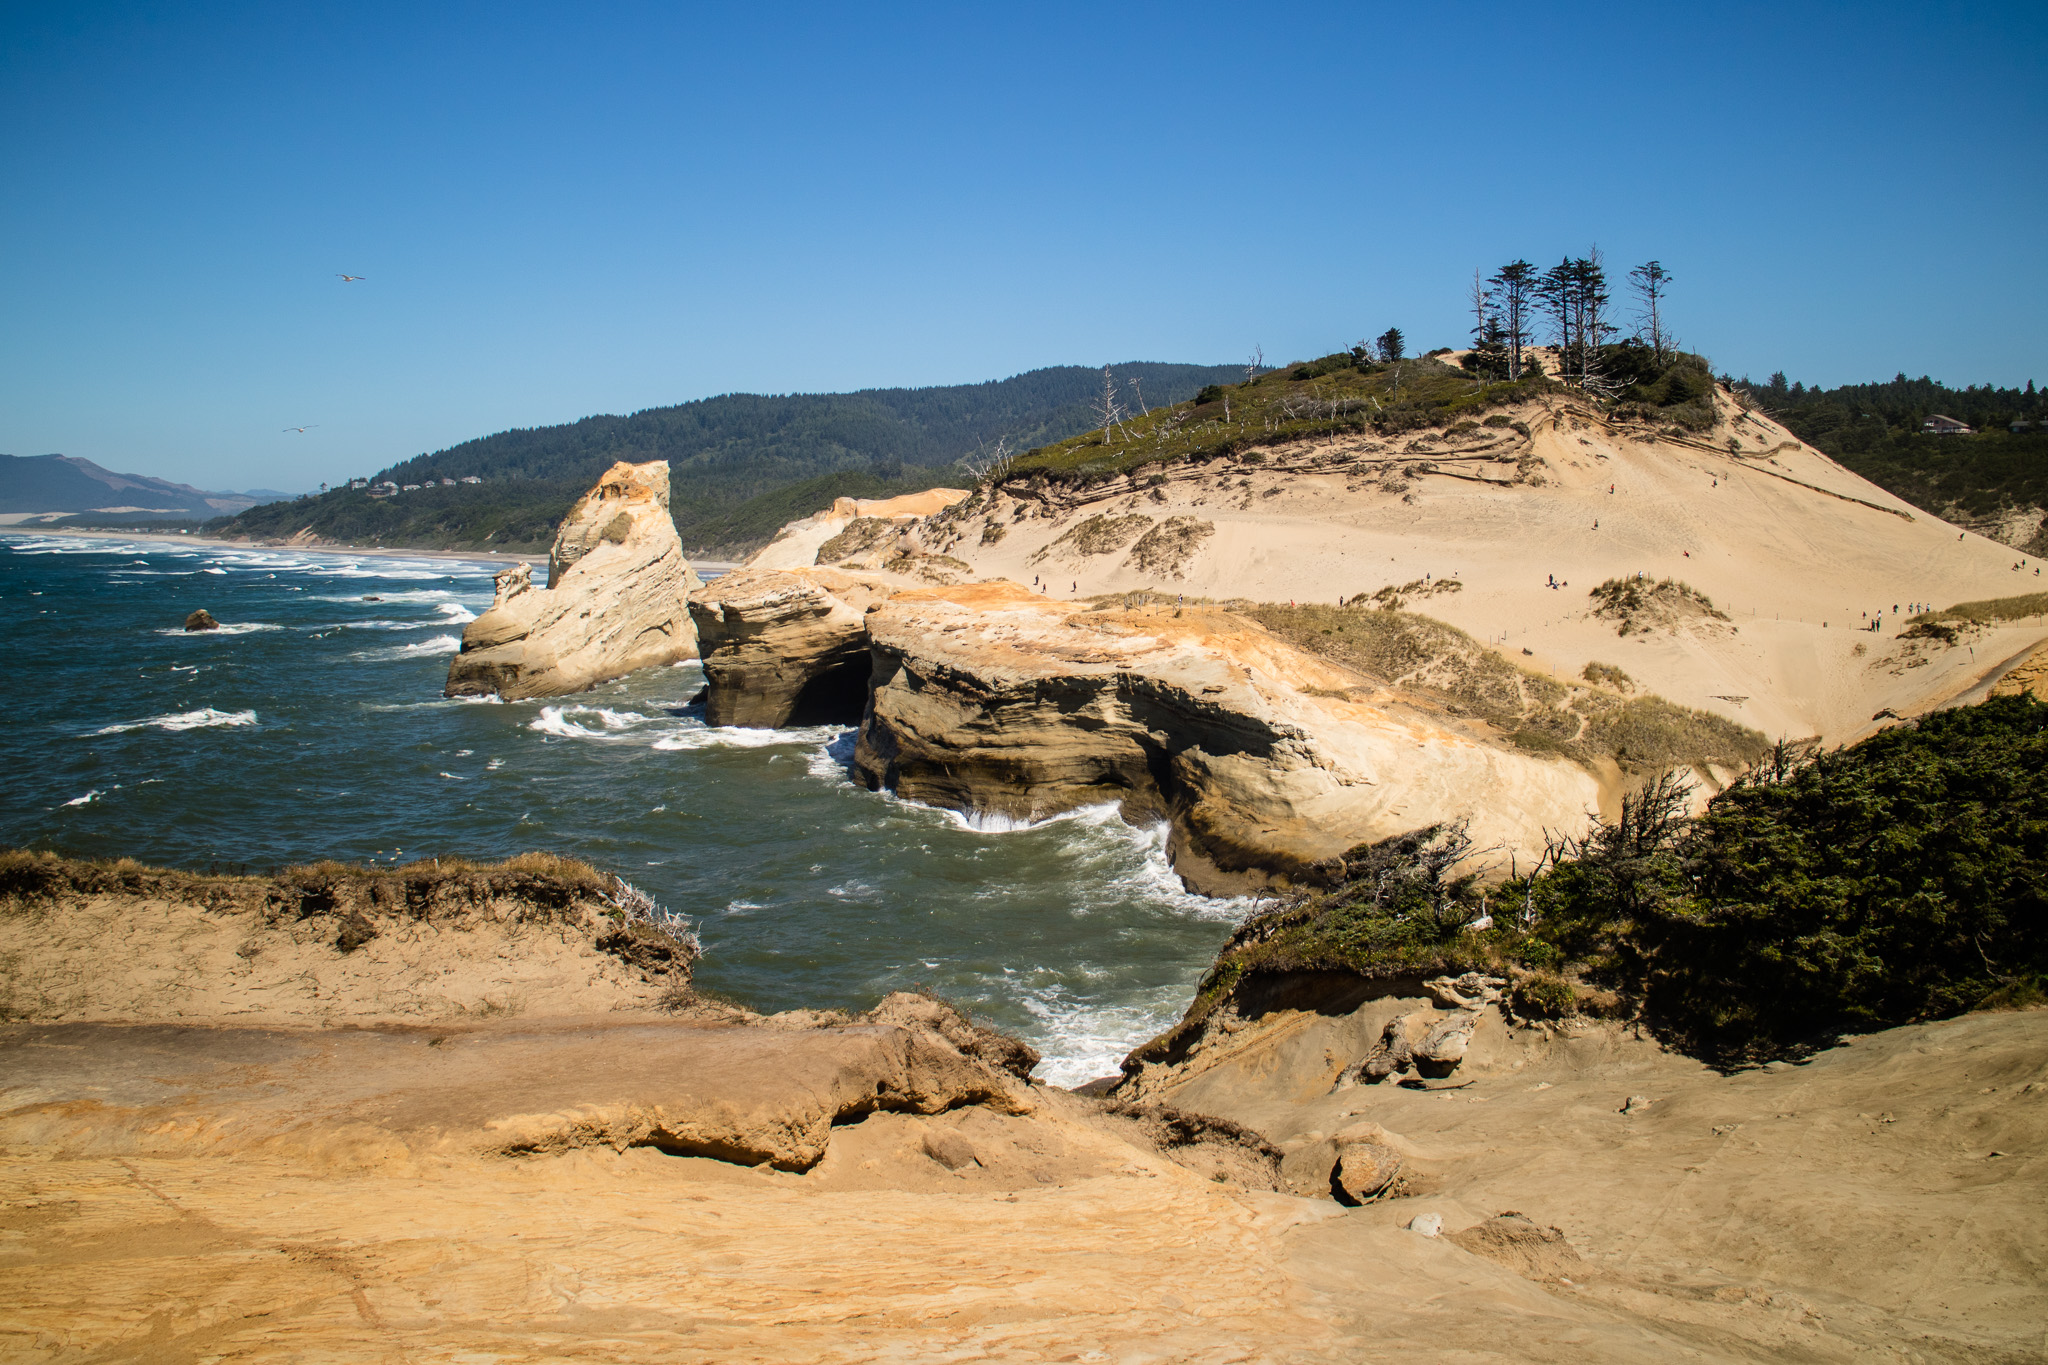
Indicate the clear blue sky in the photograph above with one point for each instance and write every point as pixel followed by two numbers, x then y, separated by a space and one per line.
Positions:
pixel 567 209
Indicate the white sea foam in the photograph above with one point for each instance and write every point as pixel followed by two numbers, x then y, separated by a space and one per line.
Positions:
pixel 222 572
pixel 224 628
pixel 1083 1039
pixel 202 719
pixel 569 721
pixel 491 699
pixel 455 612
pixel 440 644
pixel 699 736
pixel 87 799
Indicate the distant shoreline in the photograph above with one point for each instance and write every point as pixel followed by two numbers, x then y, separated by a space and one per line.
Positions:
pixel 376 551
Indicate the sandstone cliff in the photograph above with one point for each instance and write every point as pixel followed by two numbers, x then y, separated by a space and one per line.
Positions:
pixel 785 647
pixel 992 698
pixel 613 603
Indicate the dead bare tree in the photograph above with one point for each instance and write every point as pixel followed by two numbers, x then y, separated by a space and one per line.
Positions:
pixel 1107 409
pixel 1139 390
pixel 990 464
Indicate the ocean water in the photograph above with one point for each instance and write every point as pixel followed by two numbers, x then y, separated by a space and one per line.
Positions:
pixel 312 726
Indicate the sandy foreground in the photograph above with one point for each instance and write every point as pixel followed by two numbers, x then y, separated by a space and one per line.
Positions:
pixel 216 1194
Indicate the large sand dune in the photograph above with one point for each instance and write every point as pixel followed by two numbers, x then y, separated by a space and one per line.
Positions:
pixel 1795 550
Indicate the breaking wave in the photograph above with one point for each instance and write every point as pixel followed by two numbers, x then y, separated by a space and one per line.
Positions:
pixel 440 644
pixel 202 719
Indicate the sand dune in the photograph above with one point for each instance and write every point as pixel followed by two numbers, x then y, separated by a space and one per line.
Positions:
pixel 1795 550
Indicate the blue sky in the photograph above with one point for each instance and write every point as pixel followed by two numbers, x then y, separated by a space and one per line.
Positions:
pixel 563 210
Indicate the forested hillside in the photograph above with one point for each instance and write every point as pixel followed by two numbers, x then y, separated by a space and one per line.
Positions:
pixel 1994 480
pixel 737 462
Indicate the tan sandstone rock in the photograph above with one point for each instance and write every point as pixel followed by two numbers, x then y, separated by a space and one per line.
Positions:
pixel 784 647
pixel 993 698
pixel 613 603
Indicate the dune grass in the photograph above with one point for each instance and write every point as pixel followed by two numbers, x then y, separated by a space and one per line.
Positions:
pixel 1418 653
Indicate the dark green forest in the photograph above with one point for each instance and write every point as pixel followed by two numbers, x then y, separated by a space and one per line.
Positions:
pixel 740 465
pixel 1874 429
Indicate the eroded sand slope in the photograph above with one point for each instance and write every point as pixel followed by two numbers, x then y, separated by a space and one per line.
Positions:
pixel 1792 547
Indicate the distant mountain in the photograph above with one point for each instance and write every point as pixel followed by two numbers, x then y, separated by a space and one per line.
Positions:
pixel 740 464
pixel 56 485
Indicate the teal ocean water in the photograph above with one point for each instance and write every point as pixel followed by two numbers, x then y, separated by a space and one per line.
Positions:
pixel 312 726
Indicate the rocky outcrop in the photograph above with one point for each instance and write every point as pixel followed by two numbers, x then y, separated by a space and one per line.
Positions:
pixel 201 620
pixel 614 600
pixel 784 647
pixel 992 698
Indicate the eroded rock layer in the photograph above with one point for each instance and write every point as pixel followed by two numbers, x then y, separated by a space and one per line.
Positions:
pixel 613 604
pixel 992 698
pixel 784 646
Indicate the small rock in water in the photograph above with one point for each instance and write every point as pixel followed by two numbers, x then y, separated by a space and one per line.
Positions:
pixel 201 620
pixel 1428 1224
pixel 373 599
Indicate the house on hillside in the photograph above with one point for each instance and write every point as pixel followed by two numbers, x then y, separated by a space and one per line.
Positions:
pixel 1938 425
pixel 356 485
pixel 471 478
pixel 447 483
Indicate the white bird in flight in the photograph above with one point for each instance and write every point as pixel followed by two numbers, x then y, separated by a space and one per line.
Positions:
pixel 308 427
pixel 351 279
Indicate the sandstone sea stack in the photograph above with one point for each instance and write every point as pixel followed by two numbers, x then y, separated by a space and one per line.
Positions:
pixel 613 603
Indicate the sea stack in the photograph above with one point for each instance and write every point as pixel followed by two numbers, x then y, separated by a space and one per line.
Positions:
pixel 613 604
pixel 201 620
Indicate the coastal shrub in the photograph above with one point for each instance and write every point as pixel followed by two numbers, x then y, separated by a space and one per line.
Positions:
pixel 1900 879
pixel 1401 905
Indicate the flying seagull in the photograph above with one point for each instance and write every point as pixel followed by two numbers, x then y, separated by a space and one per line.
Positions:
pixel 351 279
pixel 308 427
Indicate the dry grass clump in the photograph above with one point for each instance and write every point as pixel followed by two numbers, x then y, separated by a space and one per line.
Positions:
pixel 1607 675
pixel 1392 598
pixel 1647 733
pixel 1104 533
pixel 1639 604
pixel 1167 547
pixel 860 534
pixel 1420 654
pixel 941 569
